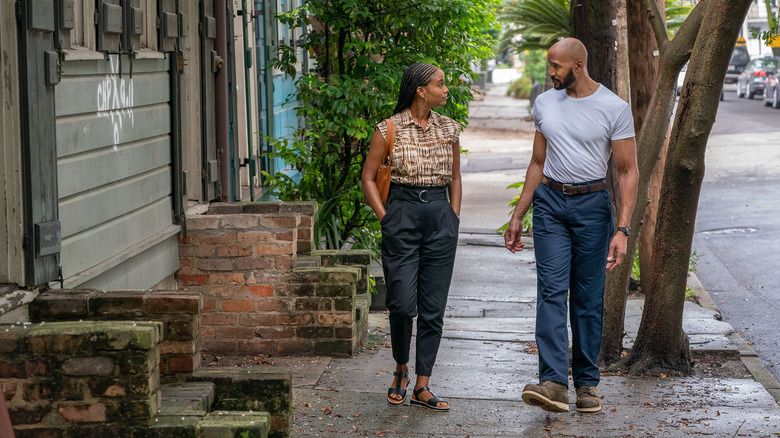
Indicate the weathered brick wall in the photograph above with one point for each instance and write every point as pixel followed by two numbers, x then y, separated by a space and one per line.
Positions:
pixel 179 313
pixel 67 375
pixel 244 259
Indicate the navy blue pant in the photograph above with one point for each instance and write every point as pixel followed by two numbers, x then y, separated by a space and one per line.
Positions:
pixel 419 240
pixel 571 241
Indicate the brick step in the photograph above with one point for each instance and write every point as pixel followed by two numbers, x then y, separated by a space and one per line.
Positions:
pixel 308 261
pixel 181 399
pixel 252 390
pixel 227 424
pixel 184 413
pixel 235 424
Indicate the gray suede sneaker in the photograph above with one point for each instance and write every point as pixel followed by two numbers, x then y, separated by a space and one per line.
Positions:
pixel 588 399
pixel 550 396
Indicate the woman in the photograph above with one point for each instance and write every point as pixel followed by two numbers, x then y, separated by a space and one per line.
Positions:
pixel 419 225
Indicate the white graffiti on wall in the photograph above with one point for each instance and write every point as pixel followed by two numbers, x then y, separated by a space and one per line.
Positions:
pixel 115 99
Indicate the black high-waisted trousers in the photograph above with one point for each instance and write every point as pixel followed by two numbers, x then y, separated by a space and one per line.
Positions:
pixel 419 239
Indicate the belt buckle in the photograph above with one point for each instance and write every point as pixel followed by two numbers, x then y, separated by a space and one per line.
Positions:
pixel 420 196
pixel 565 187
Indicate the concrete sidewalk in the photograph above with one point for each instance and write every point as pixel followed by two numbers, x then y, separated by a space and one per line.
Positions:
pixel 488 352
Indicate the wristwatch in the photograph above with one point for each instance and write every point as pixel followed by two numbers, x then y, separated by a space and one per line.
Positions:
pixel 625 230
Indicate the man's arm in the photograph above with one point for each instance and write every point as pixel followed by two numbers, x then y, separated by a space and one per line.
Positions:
pixel 624 155
pixel 533 177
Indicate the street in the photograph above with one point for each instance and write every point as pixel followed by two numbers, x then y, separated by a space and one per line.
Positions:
pixel 737 228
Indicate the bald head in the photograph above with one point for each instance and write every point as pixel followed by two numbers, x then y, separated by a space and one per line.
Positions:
pixel 570 49
pixel 568 60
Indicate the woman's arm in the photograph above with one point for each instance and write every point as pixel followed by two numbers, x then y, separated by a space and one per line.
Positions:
pixel 375 157
pixel 456 188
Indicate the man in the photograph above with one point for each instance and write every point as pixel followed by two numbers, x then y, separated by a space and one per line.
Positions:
pixel 578 125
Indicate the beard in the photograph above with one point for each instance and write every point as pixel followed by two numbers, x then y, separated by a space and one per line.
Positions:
pixel 567 81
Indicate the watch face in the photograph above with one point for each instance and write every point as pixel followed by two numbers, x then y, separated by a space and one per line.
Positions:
pixel 625 230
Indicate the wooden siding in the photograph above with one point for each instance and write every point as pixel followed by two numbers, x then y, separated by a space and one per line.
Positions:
pixel 11 252
pixel 143 270
pixel 114 173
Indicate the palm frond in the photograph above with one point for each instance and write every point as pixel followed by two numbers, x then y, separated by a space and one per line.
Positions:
pixel 533 24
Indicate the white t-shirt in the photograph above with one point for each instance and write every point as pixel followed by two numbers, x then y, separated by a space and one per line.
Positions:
pixel 579 132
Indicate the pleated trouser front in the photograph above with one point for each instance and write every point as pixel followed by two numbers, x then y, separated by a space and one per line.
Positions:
pixel 419 240
pixel 571 240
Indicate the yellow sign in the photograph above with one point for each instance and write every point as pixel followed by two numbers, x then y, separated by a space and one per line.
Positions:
pixel 773 41
pixel 740 41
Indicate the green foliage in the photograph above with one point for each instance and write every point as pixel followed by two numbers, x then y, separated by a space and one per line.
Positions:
pixel 533 24
pixel 528 218
pixel 635 267
pixel 520 88
pixel 535 65
pixel 676 12
pixel 535 70
pixel 693 260
pixel 361 50
pixel 769 37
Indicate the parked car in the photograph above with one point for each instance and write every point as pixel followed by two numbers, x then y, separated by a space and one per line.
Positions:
pixel 772 91
pixel 739 59
pixel 752 81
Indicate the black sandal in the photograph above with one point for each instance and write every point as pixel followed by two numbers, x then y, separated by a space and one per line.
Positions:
pixel 432 402
pixel 397 390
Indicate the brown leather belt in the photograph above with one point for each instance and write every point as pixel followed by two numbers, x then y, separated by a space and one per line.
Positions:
pixel 575 189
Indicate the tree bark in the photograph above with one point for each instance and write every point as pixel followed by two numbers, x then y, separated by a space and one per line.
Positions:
pixel 591 23
pixel 623 52
pixel 661 343
pixel 647 236
pixel 650 139
pixel 643 67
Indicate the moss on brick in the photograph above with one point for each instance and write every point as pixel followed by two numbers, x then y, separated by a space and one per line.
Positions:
pixel 341 346
pixel 235 424
pixel 251 389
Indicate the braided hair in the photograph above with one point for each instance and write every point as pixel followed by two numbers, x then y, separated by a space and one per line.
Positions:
pixel 416 75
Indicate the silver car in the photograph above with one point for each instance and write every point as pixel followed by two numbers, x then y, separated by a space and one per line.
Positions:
pixel 772 91
pixel 753 79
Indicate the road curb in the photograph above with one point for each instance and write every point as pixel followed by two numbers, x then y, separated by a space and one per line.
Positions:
pixel 746 353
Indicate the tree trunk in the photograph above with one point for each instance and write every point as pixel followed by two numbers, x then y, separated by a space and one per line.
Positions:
pixel 643 66
pixel 661 342
pixel 647 236
pixel 650 139
pixel 623 53
pixel 591 23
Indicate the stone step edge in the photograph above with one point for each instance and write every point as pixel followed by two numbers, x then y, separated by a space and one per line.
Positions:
pixel 187 398
pixel 247 423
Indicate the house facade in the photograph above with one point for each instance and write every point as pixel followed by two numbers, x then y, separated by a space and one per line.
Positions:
pixel 118 116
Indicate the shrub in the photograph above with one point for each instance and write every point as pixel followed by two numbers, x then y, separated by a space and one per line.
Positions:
pixel 520 88
pixel 361 49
